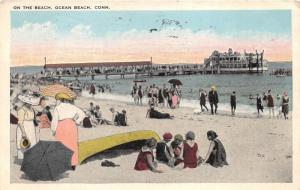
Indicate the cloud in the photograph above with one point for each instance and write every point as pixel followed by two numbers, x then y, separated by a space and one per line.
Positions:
pixel 82 31
pixel 32 41
pixel 35 32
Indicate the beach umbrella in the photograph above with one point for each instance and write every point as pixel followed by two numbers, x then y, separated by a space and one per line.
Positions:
pixel 175 81
pixel 46 160
pixel 52 90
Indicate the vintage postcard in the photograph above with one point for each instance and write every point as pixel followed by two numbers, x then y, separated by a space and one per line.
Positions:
pixel 143 93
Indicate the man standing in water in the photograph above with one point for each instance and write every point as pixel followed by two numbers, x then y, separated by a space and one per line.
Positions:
pixel 213 99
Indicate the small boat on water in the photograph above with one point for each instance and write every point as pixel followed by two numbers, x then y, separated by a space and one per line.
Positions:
pixel 139 81
pixel 281 75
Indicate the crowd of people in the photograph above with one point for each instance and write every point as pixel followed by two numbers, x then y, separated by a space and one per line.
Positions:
pixel 179 153
pixel 268 100
pixel 30 112
pixel 157 96
pixel 162 96
pixel 282 72
pixel 171 97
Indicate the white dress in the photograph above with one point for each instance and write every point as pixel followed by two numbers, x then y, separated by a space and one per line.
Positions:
pixel 25 118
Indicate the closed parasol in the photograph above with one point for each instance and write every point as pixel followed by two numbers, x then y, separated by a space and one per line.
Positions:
pixel 54 89
pixel 175 81
pixel 46 160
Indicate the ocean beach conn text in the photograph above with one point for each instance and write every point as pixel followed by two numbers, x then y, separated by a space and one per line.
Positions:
pixel 75 7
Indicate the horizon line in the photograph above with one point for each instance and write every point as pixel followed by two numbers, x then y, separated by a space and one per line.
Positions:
pixel 291 61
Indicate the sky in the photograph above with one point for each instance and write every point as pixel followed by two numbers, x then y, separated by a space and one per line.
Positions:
pixel 166 36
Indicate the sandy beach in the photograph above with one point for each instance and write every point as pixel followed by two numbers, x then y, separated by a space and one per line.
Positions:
pixel 258 149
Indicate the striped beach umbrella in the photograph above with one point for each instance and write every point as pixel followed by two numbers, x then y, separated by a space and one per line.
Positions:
pixel 54 89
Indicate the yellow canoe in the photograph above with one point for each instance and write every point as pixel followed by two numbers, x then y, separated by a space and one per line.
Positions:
pixel 91 147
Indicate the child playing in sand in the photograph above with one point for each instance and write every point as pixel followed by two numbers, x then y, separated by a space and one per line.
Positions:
pixel 216 155
pixel 145 159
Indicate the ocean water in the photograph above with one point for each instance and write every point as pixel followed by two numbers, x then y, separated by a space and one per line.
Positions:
pixel 243 84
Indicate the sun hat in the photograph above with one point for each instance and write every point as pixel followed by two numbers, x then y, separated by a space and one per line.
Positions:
pixel 190 135
pixel 29 99
pixel 213 87
pixel 63 96
pixel 167 136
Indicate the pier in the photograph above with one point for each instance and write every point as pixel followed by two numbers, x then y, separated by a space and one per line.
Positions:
pixel 218 63
pixel 106 69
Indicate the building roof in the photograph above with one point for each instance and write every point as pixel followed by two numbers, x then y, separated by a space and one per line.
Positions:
pixel 96 64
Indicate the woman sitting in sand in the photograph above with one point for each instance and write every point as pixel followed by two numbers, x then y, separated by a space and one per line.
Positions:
pixel 119 119
pixel 216 155
pixel 98 117
pixel 176 150
pixel 163 153
pixel 145 159
pixel 89 120
pixel 190 151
